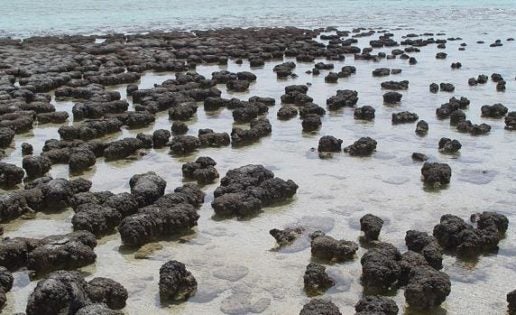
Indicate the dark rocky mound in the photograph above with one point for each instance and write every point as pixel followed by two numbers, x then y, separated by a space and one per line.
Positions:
pixel 327 248
pixel 202 170
pixel 316 279
pixel 66 292
pixel 245 190
pixel 436 174
pixel 175 282
pixel 373 304
pixel 453 233
pixel 320 307
pixel 364 146
pixel 371 225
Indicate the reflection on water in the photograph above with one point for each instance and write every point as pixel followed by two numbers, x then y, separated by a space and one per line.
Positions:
pixel 234 261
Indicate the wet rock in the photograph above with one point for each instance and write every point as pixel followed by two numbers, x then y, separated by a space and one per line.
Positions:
pixel 511 301
pixel 494 111
pixel 182 112
pixel 27 149
pixel 447 145
pixel 260 127
pixel 202 170
pixel 6 136
pixel 421 128
pixel 427 288
pixel 287 112
pixel 97 219
pixel 320 307
pixel 457 116
pixel 454 234
pixel 107 291
pixel 36 166
pixel 157 221
pixel 243 191
pixel 446 87
pixel 147 188
pixel 246 113
pixel 286 236
pixel 409 261
pixel 53 118
pixel 90 129
pixel 343 98
pixel 209 138
pixel 436 174
pixel 510 121
pixel 69 251
pixel 364 146
pixel 381 266
pixel 160 138
pixel 473 129
pixel 184 144
pixel 329 144
pixel 456 65
pixel 311 109
pixel 416 156
pixel 434 88
pixel 380 72
pixel 238 85
pixel 392 97
pixel 97 309
pixel 285 69
pixel 6 280
pixel 175 282
pixel 331 77
pixel 179 128
pixel 441 55
pixel 374 304
pixel 327 248
pixel 123 148
pixel 131 88
pixel 364 113
pixel 63 292
pixel 426 245
pixel 145 139
pixel 81 158
pixel 10 175
pixel 316 279
pixel 395 85
pixel 404 117
pixel 371 226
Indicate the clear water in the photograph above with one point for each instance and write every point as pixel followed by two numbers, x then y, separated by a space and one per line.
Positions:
pixel 333 193
pixel 36 17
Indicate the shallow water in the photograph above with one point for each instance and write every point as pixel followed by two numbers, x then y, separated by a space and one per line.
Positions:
pixel 233 260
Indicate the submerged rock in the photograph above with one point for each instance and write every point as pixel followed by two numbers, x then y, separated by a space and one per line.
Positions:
pixel 427 288
pixel 245 190
pixel 371 226
pixel 447 145
pixel 327 248
pixel 202 170
pixel 453 233
pixel 316 279
pixel 364 146
pixel 381 266
pixel 329 144
pixel 175 282
pixel 320 307
pixel 286 236
pixel 369 305
pixel 436 174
